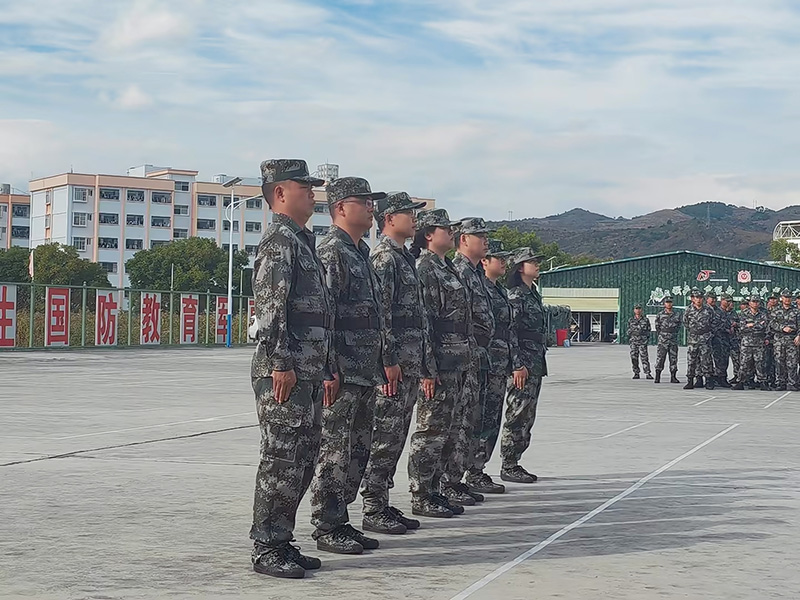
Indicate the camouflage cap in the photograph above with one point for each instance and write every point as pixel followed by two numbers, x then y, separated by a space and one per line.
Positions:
pixel 668 299
pixel 349 187
pixel 755 298
pixel 727 297
pixel 436 217
pixel 526 255
pixel 695 293
pixel 275 170
pixel 711 294
pixel 637 305
pixel 773 296
pixel 396 202
pixel 497 250
pixel 473 226
pixel 785 293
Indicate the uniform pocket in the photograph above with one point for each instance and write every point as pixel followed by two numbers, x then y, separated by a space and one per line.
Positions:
pixel 280 442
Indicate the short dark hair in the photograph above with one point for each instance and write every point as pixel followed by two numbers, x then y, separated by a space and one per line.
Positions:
pixel 420 242
pixel 268 191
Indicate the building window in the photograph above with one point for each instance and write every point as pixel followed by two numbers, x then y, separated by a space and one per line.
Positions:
pixel 82 194
pixel 251 250
pixel 48 197
pixel 109 194
pixel 206 200
pixel 226 225
pixel 157 243
pixel 47 221
pixel 181 209
pixel 206 224
pixel 227 246
pixel 20 232
pixel 180 234
pixel 108 243
pixel 79 243
pixel 181 186
pixel 320 208
pixel 254 203
pixel 226 201
pixel 320 230
pixel 161 221
pixel 161 198
pixel 134 220
pixel 134 244
pixel 20 210
pixel 252 226
pixel 135 196
pixel 109 267
pixel 79 219
pixel 108 218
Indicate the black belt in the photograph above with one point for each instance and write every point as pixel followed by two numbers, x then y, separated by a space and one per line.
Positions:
pixel 299 319
pixel 406 322
pixel 453 327
pixel 483 340
pixel 531 335
pixel 355 323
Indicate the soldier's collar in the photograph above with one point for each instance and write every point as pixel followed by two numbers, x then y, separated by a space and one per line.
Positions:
pixel 288 221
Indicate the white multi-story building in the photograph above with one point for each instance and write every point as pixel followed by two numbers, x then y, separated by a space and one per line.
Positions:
pixel 15 218
pixel 108 218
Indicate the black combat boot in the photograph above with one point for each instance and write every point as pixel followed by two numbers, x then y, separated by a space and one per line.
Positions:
pixel 765 387
pixel 517 474
pixel 383 522
pixel 658 377
pixel 780 388
pixel 723 382
pixel 453 507
pixel 354 534
pixel 482 483
pixel 710 383
pixel 689 384
pixel 635 376
pixel 464 488
pixel 276 562
pixel 401 518
pixel 673 378
pixel 338 542
pixel 698 382
pixel 427 507
pixel 648 376
pixel 739 386
pixel 309 563
pixel 455 494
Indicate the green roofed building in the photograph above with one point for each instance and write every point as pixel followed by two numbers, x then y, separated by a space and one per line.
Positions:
pixel 602 296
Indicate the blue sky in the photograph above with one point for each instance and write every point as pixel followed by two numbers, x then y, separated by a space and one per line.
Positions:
pixel 621 107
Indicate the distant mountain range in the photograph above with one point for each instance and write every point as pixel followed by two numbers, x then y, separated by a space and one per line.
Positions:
pixel 710 227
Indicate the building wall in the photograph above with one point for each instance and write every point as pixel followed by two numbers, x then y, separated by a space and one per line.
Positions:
pixel 15 220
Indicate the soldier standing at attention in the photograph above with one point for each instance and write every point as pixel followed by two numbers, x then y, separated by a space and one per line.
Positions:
pixel 638 336
pixel 447 309
pixel 769 343
pixel 753 325
pixel 784 326
pixel 524 386
pixel 293 370
pixel 472 243
pixel 668 323
pixel 505 361
pixel 407 358
pixel 719 341
pixel 698 321
pixel 733 317
pixel 358 338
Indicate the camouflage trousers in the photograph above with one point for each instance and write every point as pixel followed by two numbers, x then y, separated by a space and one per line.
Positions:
pixel 664 349
pixel 769 362
pixel 735 357
pixel 434 440
pixel 639 351
pixel 389 432
pixel 488 430
pixel 785 360
pixel 751 362
pixel 721 351
pixel 343 456
pixel 290 439
pixel 467 421
pixel 520 416
pixel 699 360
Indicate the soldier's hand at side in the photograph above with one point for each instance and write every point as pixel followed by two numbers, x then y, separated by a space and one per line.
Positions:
pixel 787 329
pixel 428 387
pixel 520 377
pixel 282 384
pixel 394 375
pixel 330 391
pixel 797 341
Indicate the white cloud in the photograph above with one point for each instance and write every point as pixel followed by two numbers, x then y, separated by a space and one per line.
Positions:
pixel 133 98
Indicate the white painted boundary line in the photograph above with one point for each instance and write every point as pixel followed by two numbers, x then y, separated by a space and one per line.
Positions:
pixel 776 400
pixel 704 401
pixel 600 437
pixel 206 420
pixel 544 544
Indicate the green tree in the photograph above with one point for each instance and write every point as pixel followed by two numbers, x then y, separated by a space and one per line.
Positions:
pixel 513 238
pixel 14 264
pixel 785 252
pixel 58 264
pixel 199 265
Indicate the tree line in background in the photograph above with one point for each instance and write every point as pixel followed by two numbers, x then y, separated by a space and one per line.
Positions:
pixel 785 253
pixel 553 256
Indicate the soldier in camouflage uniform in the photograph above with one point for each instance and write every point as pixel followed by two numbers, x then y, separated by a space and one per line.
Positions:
pixel 504 362
pixel 347 425
pixel 447 308
pixel 407 359
pixel 753 326
pixel 769 342
pixel 472 243
pixel 668 323
pixel 293 368
pixel 720 341
pixel 698 320
pixel 523 391
pixel 784 327
pixel 733 317
pixel 638 336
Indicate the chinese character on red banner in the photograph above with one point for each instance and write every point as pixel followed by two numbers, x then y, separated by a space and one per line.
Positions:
pixel 105 331
pixel 8 316
pixel 151 319
pixel 57 309
pixel 222 320
pixel 189 306
pixel 251 308
pixel 252 324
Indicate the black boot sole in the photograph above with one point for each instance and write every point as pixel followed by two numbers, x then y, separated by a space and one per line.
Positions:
pixel 339 550
pixel 397 531
pixel 264 571
pixel 437 515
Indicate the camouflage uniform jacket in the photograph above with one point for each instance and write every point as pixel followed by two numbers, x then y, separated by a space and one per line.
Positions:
pixel 406 330
pixel 667 326
pixel 504 349
pixel 783 317
pixel 639 330
pixel 720 325
pixel 293 306
pixel 482 317
pixel 448 309
pixel 359 315
pixel 529 321
pixel 753 336
pixel 698 324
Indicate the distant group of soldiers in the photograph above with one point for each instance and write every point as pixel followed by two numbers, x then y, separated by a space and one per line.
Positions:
pixel 761 343
pixel 350 341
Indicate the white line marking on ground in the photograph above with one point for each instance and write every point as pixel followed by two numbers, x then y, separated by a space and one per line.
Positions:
pixel 600 437
pixel 777 399
pixel 545 543
pixel 82 435
pixel 704 401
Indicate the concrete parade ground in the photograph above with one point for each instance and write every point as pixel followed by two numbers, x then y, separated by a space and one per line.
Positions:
pixel 130 474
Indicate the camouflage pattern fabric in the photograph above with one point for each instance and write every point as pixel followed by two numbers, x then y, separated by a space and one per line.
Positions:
pixel 529 322
pixel 488 430
pixel 349 187
pixel 785 350
pixel 520 417
pixel 287 169
pixel 752 346
pixel 638 337
pixel 466 418
pixel 769 350
pixel 698 324
pixel 668 325
pixel 343 456
pixel 720 341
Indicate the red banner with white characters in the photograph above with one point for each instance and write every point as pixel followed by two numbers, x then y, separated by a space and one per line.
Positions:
pixel 150 334
pixel 56 331
pixel 8 316
pixel 107 318
pixel 190 304
pixel 221 321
